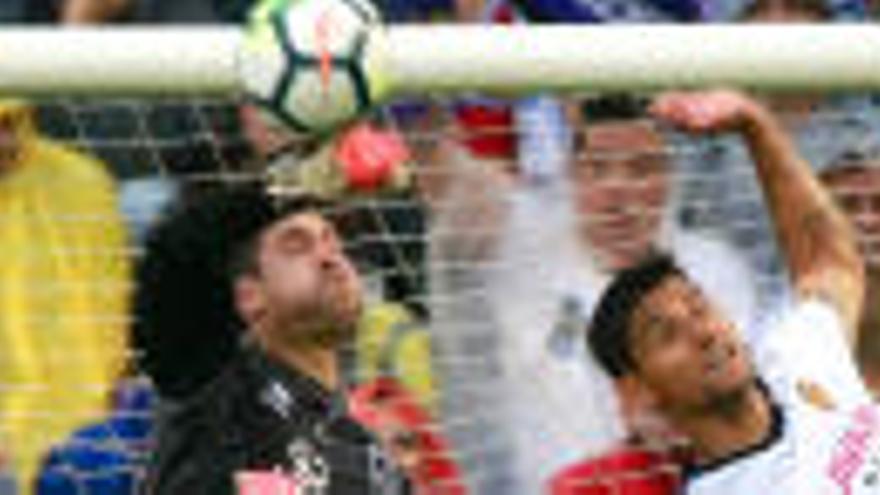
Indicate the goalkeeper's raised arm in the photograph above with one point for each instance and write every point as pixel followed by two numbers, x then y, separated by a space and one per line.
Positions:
pixel 819 246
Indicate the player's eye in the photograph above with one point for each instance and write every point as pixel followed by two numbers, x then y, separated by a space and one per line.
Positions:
pixel 591 167
pixel 329 237
pixel 850 202
pixel 649 164
pixel 660 332
pixel 698 308
pixel 295 242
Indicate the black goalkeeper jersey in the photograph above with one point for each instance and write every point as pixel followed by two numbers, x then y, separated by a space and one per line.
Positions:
pixel 261 417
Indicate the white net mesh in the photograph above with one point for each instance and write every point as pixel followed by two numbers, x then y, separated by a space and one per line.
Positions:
pixel 492 263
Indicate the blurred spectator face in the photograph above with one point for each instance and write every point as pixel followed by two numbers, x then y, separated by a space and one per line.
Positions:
pixel 687 356
pixel 621 184
pixel 8 143
pixel 430 136
pixel 14 119
pixel 301 279
pixel 772 11
pixel 857 189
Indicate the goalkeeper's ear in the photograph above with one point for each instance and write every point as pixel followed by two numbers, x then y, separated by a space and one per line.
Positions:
pixel 249 300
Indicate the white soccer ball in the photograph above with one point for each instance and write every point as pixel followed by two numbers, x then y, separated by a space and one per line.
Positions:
pixel 305 61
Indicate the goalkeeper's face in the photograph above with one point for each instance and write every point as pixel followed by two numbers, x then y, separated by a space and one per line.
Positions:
pixel 304 289
pixel 688 357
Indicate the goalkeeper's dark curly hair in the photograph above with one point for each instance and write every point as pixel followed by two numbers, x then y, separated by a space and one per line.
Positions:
pixel 186 326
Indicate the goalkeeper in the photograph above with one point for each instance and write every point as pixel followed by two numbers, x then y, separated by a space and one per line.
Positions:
pixel 254 411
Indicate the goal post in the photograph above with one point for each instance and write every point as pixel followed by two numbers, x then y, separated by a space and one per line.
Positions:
pixel 522 59
pixel 114 61
pixel 431 58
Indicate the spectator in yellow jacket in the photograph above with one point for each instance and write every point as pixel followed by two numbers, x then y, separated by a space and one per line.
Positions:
pixel 64 287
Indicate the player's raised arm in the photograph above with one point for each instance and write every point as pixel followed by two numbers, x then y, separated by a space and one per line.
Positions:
pixel 819 246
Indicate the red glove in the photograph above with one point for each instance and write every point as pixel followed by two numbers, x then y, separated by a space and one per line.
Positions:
pixel 371 158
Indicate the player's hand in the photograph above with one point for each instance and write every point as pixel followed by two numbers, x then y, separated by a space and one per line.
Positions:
pixel 713 111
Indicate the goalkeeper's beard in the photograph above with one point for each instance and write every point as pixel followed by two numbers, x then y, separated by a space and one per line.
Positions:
pixel 329 322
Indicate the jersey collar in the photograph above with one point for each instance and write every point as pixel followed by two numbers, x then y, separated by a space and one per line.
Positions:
pixel 288 391
pixel 692 471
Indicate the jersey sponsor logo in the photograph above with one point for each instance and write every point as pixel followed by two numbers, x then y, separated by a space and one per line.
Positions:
pixel 814 394
pixel 309 467
pixel 307 474
pixel 266 483
pixel 855 466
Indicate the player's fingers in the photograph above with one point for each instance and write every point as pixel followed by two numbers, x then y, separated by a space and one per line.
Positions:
pixel 688 112
pixel 703 115
pixel 668 109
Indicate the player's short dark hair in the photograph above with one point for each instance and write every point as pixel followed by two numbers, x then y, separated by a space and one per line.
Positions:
pixel 608 335
pixel 614 107
pixel 608 109
pixel 186 325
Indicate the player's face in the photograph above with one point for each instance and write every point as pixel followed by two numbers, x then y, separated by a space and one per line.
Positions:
pixel 687 354
pixel 857 191
pixel 621 180
pixel 307 286
pixel 429 139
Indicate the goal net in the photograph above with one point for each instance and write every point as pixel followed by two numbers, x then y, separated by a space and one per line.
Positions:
pixel 480 279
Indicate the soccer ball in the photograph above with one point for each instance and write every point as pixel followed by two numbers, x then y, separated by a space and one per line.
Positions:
pixel 306 61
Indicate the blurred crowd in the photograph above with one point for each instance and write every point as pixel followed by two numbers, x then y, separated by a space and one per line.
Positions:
pixel 519 212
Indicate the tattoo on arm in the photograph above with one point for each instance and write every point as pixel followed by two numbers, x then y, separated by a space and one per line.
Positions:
pixel 817 229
